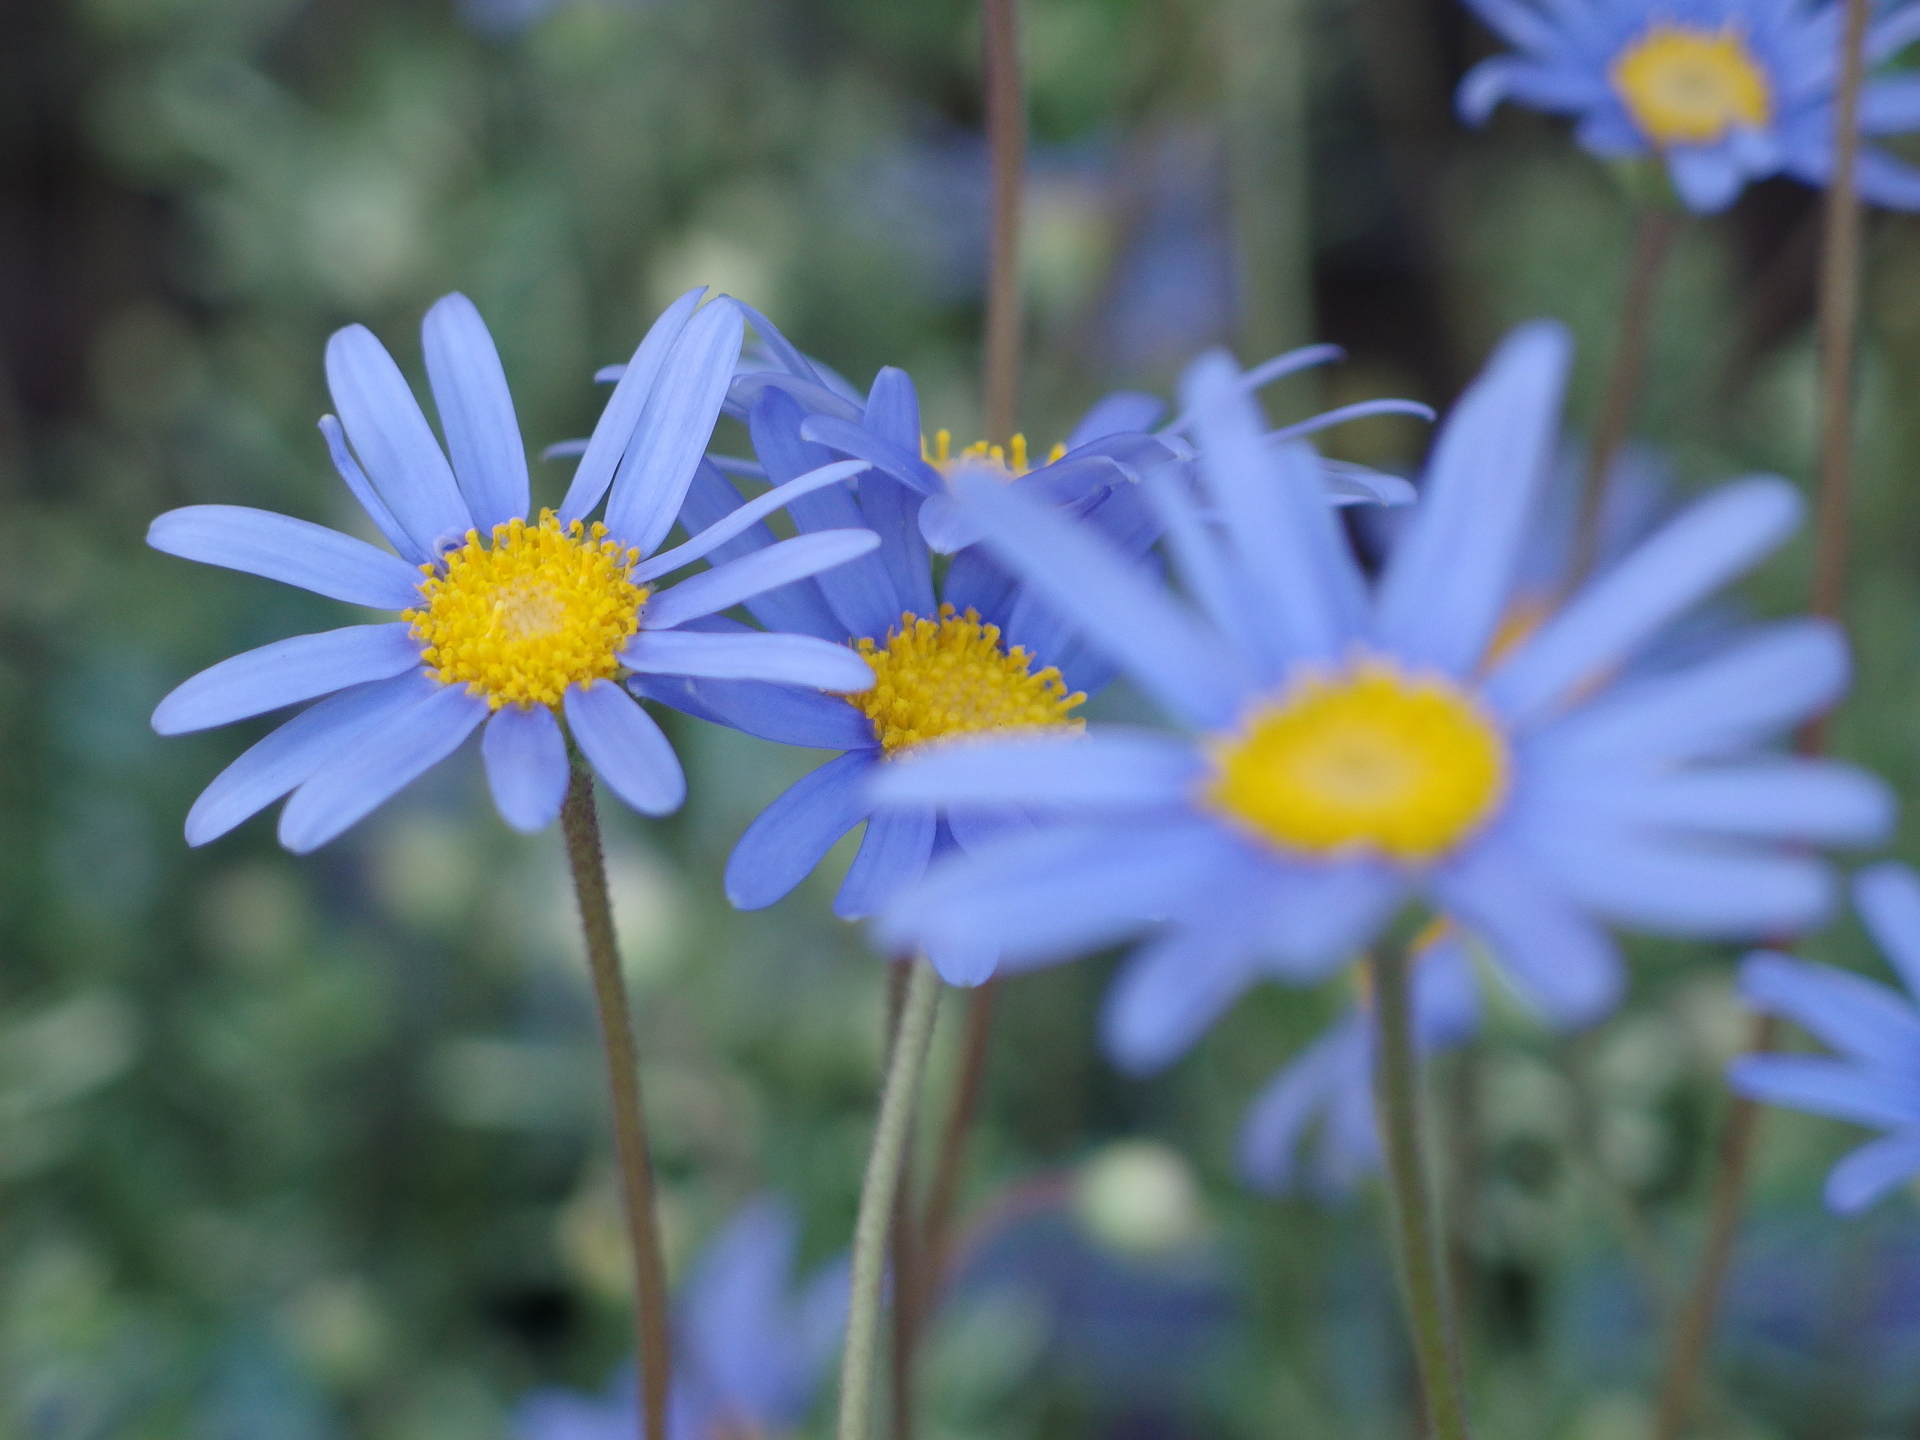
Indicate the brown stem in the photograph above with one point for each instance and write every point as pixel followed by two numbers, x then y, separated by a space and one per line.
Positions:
pixel 1007 149
pixel 582 828
pixel 1652 240
pixel 944 1194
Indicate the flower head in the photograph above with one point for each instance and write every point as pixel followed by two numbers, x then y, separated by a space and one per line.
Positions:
pixel 1724 91
pixel 532 624
pixel 1874 1079
pixel 1350 746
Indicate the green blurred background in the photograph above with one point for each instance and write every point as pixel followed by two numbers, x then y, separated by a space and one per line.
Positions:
pixel 315 1148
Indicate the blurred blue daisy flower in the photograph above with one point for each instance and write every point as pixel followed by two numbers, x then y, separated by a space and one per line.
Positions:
pixel 1350 746
pixel 1875 1078
pixel 1725 91
pixel 528 623
pixel 748 1354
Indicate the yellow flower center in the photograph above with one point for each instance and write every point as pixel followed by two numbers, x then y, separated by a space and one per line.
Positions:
pixel 1687 85
pixel 541 609
pixel 937 678
pixel 1372 760
pixel 1011 458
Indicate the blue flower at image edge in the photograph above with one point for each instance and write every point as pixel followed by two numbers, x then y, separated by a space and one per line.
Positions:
pixel 748 1354
pixel 1875 1077
pixel 1349 745
pixel 550 621
pixel 1724 91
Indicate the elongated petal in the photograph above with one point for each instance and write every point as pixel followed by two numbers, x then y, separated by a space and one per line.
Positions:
pixel 294 552
pixel 790 837
pixel 1837 1088
pixel 1342 414
pixel 778 659
pixel 893 407
pixel 897 459
pixel 1108 770
pixel 1819 801
pixel 780 713
pixel 1447 582
pixel 893 855
pixel 363 491
pixel 273 766
pixel 1276 1123
pixel 1116 414
pixel 614 433
pixel 1711 892
pixel 727 585
pixel 800 608
pixel 526 758
pixel 1849 1013
pixel 476 411
pixel 393 440
pixel 1872 1170
pixel 626 747
pixel 674 428
pixel 1694 555
pixel 892 512
pixel 744 518
pixel 377 766
pixel 1172 990
pixel 286 672
pixel 1888 899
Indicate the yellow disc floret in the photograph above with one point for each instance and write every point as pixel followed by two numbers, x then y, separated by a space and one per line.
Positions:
pixel 1688 85
pixel 1371 760
pixel 1010 458
pixel 938 678
pixel 539 609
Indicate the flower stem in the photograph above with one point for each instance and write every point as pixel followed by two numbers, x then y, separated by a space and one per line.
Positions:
pixel 1652 240
pixel 1839 313
pixel 1435 1347
pixel 1007 148
pixel 582 828
pixel 906 1061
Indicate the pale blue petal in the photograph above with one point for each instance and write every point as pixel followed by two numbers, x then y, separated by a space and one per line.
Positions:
pixel 901 461
pixel 893 408
pixel 476 411
pixel 1111 769
pixel 394 441
pixel 1552 88
pixel 736 580
pixel 1173 989
pixel 294 552
pixel 526 759
pixel 674 428
pixel 1872 1170
pixel 1890 105
pixel 977 830
pixel 777 659
pixel 1277 1122
pixel 1817 801
pixel 1888 899
pixel 963 965
pixel 1117 414
pixel 1847 1012
pixel 1696 553
pixel 1319 915
pixel 736 1323
pixel 273 766
pixel 286 672
pixel 778 713
pixel 799 608
pixel 893 855
pixel 382 762
pixel 614 433
pixel 363 491
pixel 1446 994
pixel 892 512
pixel 1836 1088
pixel 1448 581
pixel 1341 414
pixel 744 518
pixel 793 834
pixel 626 747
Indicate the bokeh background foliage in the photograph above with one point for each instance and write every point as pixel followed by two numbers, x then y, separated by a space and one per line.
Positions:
pixel 296 1149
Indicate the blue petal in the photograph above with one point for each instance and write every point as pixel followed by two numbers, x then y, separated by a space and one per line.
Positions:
pixel 1446 994
pixel 1342 414
pixel 1117 414
pixel 799 608
pixel 893 855
pixel 1449 577
pixel 975 582
pixel 674 428
pixel 364 492
pixel 476 411
pixel 394 441
pixel 1836 1088
pixel 380 763
pixel 294 552
pixel 1705 179
pixel 614 433
pixel 273 766
pixel 1883 180
pixel 1109 770
pixel 1849 1013
pixel 526 757
pixel 793 834
pixel 285 672
pixel 963 965
pixel 1319 915
pixel 1552 88
pixel 893 408
pixel 892 512
pixel 728 584
pixel 1872 1170
pixel 1890 105
pixel 1276 1123
pixel 1172 990
pixel 737 1327
pixel 625 747
pixel 1695 554
pixel 898 460
pixel 1818 801
pixel 778 713
pixel 1888 899
pixel 778 659
pixel 720 532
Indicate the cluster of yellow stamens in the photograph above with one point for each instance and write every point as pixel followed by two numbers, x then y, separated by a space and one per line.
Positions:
pixel 1688 85
pixel 1367 761
pixel 1012 457
pixel 540 609
pixel 938 678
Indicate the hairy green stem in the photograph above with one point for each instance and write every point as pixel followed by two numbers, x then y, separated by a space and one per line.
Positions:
pixel 1435 1348
pixel 908 1057
pixel 582 828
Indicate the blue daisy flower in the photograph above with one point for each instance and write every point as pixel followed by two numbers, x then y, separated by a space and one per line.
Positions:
pixel 1350 748
pixel 1875 1078
pixel 531 624
pixel 749 1354
pixel 1725 91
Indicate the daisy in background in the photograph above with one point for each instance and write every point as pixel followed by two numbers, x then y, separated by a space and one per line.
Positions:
pixel 1724 91
pixel 1347 749
pixel 971 650
pixel 749 1354
pixel 1875 1078
pixel 531 624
